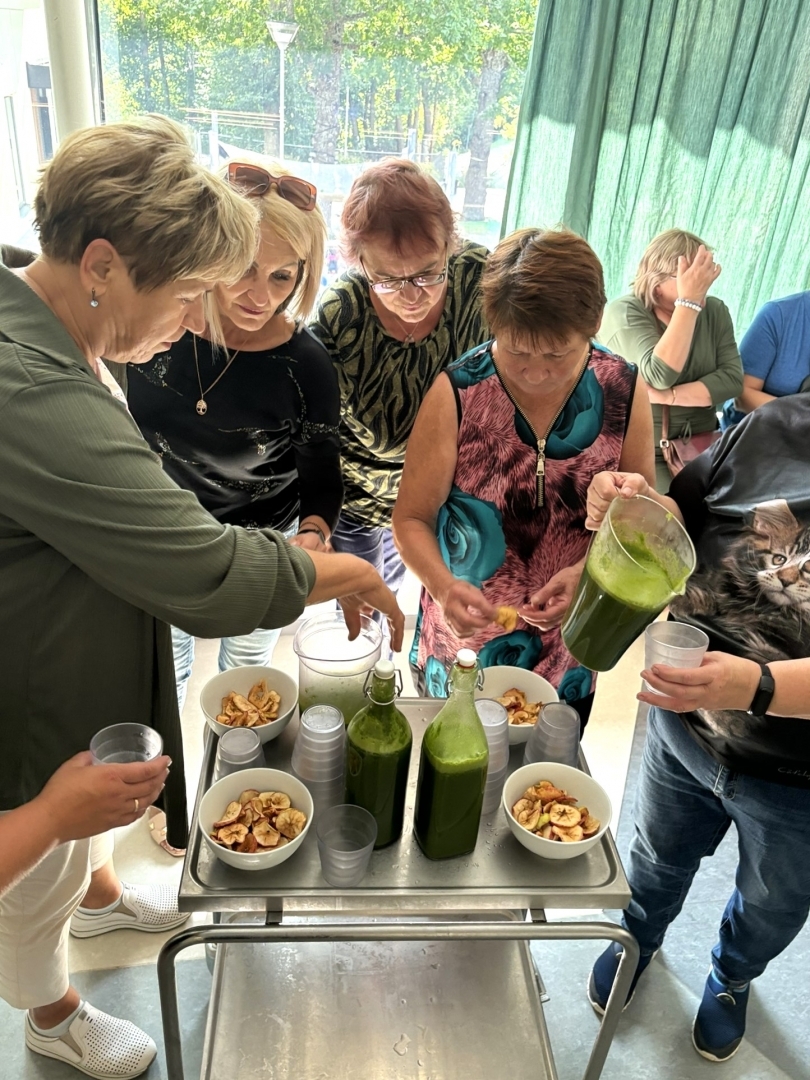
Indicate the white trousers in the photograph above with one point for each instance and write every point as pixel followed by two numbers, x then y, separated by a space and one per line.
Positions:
pixel 35 922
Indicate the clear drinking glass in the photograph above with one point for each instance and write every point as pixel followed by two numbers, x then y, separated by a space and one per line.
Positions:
pixel 124 743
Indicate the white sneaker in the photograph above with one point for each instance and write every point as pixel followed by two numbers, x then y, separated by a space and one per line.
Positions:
pixel 97 1044
pixel 152 908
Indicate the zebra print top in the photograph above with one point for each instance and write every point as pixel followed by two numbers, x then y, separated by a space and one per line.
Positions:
pixel 384 381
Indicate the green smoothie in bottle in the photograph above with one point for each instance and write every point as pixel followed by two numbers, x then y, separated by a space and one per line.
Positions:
pixel 378 756
pixel 452 769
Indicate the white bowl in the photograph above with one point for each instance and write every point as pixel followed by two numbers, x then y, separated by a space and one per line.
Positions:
pixel 578 784
pixel 241 679
pixel 216 799
pixel 497 680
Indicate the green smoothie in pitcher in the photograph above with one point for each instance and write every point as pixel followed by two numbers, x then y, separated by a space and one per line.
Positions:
pixel 639 560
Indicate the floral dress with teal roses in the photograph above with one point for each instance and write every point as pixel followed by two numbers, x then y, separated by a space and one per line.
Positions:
pixel 491 531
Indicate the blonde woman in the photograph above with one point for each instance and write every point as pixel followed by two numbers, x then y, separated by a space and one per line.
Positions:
pixel 681 339
pixel 251 425
pixel 100 549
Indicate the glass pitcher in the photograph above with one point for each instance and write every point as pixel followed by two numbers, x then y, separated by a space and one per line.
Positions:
pixel 640 559
pixel 331 669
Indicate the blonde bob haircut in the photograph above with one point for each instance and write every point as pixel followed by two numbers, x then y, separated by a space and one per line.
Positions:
pixel 660 261
pixel 303 230
pixel 138 186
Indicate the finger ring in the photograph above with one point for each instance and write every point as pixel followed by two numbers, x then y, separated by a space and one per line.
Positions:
pixel 137 805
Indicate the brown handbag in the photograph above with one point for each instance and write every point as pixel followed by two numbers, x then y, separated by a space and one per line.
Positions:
pixel 679 452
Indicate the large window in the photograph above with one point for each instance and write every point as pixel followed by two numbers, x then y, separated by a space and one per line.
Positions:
pixel 27 131
pixel 332 84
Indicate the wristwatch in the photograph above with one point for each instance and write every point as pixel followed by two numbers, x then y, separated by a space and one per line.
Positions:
pixel 311 527
pixel 764 694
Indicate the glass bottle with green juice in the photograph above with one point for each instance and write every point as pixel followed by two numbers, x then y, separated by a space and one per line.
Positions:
pixel 378 756
pixel 452 769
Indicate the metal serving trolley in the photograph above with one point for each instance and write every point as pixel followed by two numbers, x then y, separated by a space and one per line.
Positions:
pixel 422 971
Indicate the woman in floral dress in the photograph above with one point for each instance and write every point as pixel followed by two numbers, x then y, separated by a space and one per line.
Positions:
pixel 492 506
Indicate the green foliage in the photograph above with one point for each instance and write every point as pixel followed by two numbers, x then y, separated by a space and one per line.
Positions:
pixel 402 65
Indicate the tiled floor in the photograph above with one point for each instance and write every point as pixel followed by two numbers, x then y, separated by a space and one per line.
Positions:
pixel 116 971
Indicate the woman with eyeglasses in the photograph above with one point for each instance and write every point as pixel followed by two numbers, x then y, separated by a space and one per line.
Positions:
pixel 683 342
pixel 408 306
pixel 245 414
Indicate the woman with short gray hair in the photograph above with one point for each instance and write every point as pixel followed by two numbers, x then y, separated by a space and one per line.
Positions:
pixel 100 550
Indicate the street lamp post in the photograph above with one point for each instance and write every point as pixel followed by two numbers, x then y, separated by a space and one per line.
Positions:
pixel 282 33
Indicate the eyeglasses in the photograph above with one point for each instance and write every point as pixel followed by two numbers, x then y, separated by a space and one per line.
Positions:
pixel 390 285
pixel 253 180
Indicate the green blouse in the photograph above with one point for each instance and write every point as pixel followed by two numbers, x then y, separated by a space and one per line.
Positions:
pixel 384 381
pixel 632 330
pixel 99 552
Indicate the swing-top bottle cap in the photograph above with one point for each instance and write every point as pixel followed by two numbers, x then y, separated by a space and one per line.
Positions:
pixel 466 658
pixel 384 669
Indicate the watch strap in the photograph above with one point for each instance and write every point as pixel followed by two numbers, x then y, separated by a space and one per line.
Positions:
pixel 310 528
pixel 764 694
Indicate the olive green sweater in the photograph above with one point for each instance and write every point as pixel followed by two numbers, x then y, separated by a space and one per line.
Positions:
pixel 99 552
pixel 631 330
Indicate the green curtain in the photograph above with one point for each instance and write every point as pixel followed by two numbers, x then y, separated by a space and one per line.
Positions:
pixel 642 115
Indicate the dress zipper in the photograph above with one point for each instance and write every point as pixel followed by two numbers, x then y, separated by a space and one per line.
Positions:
pixel 541 443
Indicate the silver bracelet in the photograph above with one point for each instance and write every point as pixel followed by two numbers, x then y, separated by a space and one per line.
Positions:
pixel 691 304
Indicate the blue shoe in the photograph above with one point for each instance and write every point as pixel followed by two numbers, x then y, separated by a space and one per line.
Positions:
pixel 603 975
pixel 720 1022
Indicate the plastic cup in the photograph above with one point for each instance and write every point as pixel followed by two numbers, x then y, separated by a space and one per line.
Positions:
pixel 675 644
pixel 125 743
pixel 346 838
pixel 555 736
pixel 495 721
pixel 320 747
pixel 239 749
pixel 493 790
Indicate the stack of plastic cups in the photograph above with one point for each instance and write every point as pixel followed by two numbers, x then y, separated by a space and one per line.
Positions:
pixel 319 754
pixel 495 721
pixel 555 736
pixel 238 749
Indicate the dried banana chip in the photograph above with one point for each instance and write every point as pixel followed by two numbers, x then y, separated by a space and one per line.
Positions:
pixel 232 812
pixel 266 835
pixel 507 617
pixel 276 800
pixel 290 822
pixel 232 834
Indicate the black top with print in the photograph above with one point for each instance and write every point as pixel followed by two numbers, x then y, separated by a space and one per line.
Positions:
pixel 267 450
pixel 746 503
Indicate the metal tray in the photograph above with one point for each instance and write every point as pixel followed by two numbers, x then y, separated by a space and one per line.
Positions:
pixel 500 875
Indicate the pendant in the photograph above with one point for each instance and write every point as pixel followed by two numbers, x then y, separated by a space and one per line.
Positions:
pixel 202 408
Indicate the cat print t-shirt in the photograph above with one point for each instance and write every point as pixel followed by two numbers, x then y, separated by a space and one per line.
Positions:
pixel 746 503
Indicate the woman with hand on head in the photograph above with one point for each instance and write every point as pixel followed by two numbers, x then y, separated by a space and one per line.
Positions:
pixel 681 339
pixel 409 305
pixel 101 551
pixel 249 423
pixel 729 741
pixel 491 511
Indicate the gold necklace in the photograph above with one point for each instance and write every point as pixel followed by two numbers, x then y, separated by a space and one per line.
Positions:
pixel 410 335
pixel 202 406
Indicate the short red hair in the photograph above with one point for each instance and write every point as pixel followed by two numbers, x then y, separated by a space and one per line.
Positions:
pixel 395 200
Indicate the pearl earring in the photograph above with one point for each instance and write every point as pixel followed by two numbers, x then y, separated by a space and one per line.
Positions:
pixel 93 301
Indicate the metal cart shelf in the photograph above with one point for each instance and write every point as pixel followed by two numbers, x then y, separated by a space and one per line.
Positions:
pixel 384 973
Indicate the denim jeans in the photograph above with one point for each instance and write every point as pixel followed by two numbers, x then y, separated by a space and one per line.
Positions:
pixel 685 804
pixel 376 546
pixel 245 649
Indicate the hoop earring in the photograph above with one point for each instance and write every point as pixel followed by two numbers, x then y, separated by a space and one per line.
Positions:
pixel 93 301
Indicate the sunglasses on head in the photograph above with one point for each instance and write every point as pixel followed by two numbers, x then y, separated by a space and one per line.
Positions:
pixel 253 180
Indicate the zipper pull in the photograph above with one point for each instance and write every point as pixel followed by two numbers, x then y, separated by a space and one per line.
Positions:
pixel 541 472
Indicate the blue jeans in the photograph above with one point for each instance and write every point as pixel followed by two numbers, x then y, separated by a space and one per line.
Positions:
pixel 376 546
pixel 685 804
pixel 246 649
